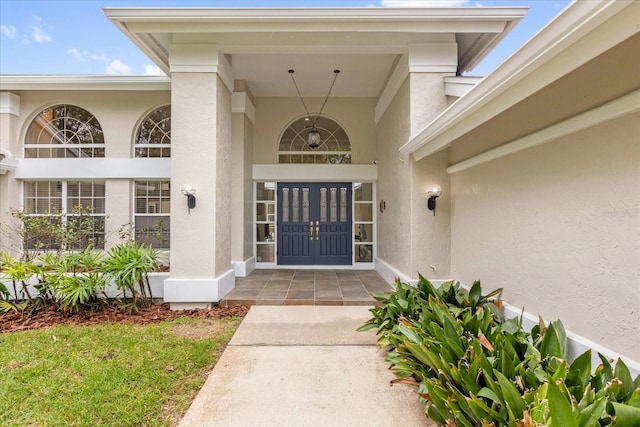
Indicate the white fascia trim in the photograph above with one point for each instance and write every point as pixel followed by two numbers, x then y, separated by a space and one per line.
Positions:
pixel 138 168
pixel 7 165
pixel 9 103
pixel 459 85
pixel 97 82
pixel 615 109
pixel 307 14
pixel 580 19
pixel 313 172
pixel 241 103
pixel 398 76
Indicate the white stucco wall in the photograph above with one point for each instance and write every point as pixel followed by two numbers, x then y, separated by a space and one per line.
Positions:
pixel 221 185
pixel 119 113
pixel 194 162
pixel 242 189
pixel 247 189
pixel 394 184
pixel 273 115
pixel 9 188
pixel 430 235
pixel 558 226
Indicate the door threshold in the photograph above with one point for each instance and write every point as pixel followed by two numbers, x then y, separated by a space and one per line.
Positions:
pixel 363 266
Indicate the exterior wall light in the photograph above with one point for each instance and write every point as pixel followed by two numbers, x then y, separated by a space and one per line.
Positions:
pixel 434 192
pixel 190 192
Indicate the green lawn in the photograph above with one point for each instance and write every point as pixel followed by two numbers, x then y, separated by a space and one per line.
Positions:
pixel 110 375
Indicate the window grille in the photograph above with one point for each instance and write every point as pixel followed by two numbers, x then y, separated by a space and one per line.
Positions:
pixel 64 131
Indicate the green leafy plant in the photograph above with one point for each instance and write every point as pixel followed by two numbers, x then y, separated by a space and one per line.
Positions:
pixel 78 279
pixel 128 265
pixel 473 367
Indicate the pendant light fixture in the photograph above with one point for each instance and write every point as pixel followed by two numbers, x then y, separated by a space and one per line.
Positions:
pixel 313 137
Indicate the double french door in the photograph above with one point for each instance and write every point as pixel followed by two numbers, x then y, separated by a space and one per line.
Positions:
pixel 314 223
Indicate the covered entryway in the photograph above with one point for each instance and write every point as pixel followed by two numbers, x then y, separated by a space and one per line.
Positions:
pixel 314 224
pixel 307 287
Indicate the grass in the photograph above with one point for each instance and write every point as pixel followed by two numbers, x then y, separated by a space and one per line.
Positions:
pixel 107 375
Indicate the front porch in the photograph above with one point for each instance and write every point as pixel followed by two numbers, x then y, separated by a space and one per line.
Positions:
pixel 306 287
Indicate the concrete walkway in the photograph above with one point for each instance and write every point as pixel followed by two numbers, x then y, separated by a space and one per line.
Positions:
pixel 304 366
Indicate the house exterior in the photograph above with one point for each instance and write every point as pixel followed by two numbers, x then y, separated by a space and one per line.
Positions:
pixel 538 163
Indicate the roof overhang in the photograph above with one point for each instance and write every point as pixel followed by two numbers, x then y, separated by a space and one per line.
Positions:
pixel 579 61
pixel 78 82
pixel 321 31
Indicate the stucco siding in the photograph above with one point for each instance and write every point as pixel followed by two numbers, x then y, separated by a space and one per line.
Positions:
pixel 9 188
pixel 355 115
pixel 248 189
pixel 558 227
pixel 119 113
pixel 430 235
pixel 394 184
pixel 194 162
pixel 222 179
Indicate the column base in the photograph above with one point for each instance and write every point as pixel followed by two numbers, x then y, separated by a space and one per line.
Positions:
pixel 185 293
pixel 244 268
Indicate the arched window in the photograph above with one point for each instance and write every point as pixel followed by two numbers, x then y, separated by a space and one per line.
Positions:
pixel 153 138
pixel 334 148
pixel 64 131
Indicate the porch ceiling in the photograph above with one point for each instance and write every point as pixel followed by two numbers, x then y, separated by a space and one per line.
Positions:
pixel 364 43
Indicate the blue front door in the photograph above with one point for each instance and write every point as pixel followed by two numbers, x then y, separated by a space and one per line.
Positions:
pixel 314 223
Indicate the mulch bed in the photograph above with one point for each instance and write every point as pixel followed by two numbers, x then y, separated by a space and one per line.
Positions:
pixel 111 313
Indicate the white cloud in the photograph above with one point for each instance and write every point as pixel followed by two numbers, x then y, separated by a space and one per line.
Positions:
pixel 153 70
pixel 118 67
pixel 76 53
pixel 423 3
pixel 39 35
pixel 102 57
pixel 9 31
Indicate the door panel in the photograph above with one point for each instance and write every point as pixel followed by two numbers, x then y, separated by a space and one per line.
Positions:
pixel 314 224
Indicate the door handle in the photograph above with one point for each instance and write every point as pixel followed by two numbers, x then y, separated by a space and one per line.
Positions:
pixel 311 230
pixel 317 230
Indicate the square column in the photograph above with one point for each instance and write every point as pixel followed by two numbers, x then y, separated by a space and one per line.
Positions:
pixel 201 123
pixel 428 65
pixel 10 191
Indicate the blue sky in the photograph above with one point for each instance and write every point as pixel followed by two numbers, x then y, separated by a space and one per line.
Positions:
pixel 74 37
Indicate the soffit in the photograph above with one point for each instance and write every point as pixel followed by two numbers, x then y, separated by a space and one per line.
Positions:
pixel 607 77
pixel 313 41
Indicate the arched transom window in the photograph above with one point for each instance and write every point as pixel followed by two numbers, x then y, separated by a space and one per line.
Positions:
pixel 64 131
pixel 334 148
pixel 153 138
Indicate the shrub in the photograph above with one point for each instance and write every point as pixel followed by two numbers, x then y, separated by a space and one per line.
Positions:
pixel 473 367
pixel 128 264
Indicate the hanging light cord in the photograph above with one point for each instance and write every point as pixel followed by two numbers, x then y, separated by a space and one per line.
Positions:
pixel 313 122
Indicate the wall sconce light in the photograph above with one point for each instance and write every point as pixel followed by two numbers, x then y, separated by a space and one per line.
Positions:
pixel 190 192
pixel 434 192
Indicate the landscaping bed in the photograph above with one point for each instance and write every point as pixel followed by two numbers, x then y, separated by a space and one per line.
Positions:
pixel 108 313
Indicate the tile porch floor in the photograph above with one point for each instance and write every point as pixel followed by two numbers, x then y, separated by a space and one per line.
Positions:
pixel 306 287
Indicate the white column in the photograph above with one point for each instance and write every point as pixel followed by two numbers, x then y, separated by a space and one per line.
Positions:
pixel 428 65
pixel 9 148
pixel 242 183
pixel 200 260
